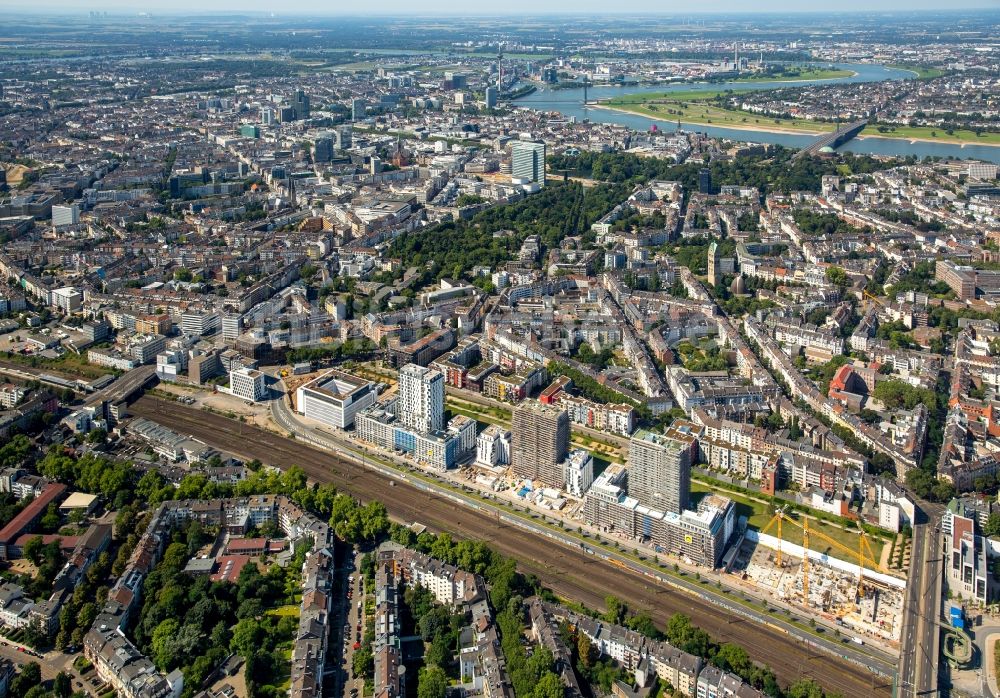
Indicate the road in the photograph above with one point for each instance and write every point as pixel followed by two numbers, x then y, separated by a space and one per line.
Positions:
pixel 559 564
pixel 355 620
pixel 918 666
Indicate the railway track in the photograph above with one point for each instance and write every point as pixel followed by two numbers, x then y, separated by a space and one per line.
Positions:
pixel 569 572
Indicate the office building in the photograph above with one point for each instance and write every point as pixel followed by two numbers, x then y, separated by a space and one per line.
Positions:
pixel 343 136
pixel 63 215
pixel 528 161
pixel 382 424
pixel 199 323
pixel 458 81
pixel 300 104
pixel 247 384
pixel 491 97
pixel 421 396
pixel 334 398
pixel 323 150
pixel 202 367
pixel 705 181
pixel 267 116
pixel 250 131
pixel 232 325
pixel 659 468
pixel 358 109
pixel 95 332
pixel 967 560
pixel 144 347
pixel 540 443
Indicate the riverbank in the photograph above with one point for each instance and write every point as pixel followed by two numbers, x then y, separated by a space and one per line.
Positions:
pixel 912 135
pixel 739 126
pixel 811 76
pixel 726 119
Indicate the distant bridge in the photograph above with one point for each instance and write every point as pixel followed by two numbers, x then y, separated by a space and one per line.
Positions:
pixel 835 139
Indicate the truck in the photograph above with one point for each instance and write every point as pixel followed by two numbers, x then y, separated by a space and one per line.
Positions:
pixel 857 641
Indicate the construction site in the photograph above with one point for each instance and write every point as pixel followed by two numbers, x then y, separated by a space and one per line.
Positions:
pixel 824 578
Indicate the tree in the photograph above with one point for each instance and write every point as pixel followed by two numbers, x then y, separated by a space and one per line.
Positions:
pixel 548 686
pixel 585 650
pixel 732 658
pixel 643 624
pixel 62 685
pixel 163 642
pixel 837 276
pixel 432 682
pixel 615 609
pixel 804 688
pixel 29 676
pixel 364 662
pixel 97 436
pixel 992 527
pixel 247 636
pixel 50 520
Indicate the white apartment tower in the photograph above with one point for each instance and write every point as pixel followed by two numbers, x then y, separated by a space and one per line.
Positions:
pixel 421 398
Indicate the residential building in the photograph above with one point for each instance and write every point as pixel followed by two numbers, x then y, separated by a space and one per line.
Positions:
pixel 421 396
pixel 659 469
pixel 578 472
pixel 540 443
pixel 68 299
pixel 493 446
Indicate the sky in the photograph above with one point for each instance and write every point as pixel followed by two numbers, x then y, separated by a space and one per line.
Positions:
pixel 468 7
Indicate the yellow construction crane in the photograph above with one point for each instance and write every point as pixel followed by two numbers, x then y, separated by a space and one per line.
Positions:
pixel 862 556
pixel 805 561
pixel 779 515
pixel 867 296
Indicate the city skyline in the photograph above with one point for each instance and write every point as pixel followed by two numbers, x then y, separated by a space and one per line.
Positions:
pixel 529 7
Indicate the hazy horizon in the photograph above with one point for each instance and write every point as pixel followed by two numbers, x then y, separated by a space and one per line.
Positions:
pixel 530 7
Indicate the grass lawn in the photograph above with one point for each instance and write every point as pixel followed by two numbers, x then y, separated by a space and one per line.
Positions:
pixel 922 72
pixel 932 133
pixel 693 107
pixel 759 514
pixel 674 96
pixel 801 74
pixel 288 610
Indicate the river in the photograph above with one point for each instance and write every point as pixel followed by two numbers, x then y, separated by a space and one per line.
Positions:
pixel 570 103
